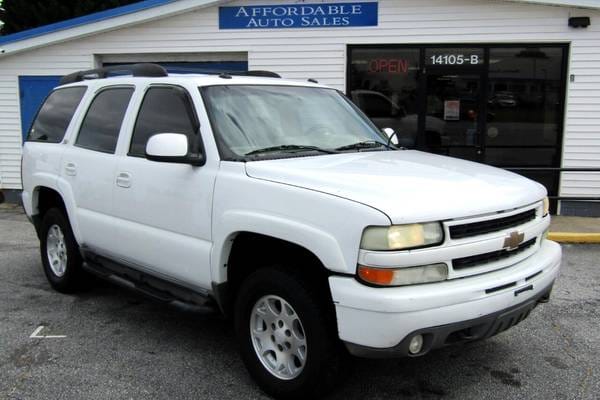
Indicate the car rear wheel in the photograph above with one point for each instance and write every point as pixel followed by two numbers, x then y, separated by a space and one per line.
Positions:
pixel 287 336
pixel 61 259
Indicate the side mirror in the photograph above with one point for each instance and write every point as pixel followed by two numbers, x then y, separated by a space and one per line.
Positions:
pixel 171 148
pixel 392 135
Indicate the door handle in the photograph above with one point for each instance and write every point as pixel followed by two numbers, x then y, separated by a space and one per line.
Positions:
pixel 71 169
pixel 124 179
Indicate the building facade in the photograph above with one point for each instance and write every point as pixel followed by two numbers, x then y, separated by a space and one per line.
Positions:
pixel 514 84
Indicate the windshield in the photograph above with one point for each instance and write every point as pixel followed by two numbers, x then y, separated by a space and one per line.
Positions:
pixel 262 119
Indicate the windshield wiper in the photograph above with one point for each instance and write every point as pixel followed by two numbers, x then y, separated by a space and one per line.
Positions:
pixel 368 144
pixel 289 147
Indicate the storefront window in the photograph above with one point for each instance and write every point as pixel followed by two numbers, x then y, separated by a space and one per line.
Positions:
pixel 497 104
pixel 385 84
pixel 524 106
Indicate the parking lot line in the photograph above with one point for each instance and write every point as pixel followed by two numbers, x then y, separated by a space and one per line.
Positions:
pixel 36 334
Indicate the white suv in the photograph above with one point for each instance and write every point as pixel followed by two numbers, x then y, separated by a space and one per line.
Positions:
pixel 280 204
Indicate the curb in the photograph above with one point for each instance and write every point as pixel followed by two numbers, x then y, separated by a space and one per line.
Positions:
pixel 574 237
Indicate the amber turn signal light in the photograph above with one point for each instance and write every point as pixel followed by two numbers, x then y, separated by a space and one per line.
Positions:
pixel 377 276
pixel 403 276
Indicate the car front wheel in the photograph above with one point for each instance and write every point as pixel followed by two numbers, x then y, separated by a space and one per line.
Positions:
pixel 286 334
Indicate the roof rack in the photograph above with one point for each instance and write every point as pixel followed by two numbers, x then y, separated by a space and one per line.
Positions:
pixel 265 74
pixel 151 70
pixel 258 73
pixel 144 70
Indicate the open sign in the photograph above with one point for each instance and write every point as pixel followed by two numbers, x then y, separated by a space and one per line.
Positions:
pixel 389 65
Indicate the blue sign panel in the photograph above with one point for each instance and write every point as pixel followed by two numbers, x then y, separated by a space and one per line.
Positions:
pixel 300 15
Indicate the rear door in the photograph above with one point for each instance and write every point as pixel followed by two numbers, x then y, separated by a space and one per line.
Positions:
pixel 89 163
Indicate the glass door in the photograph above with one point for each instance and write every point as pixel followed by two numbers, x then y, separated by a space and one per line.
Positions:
pixel 452 113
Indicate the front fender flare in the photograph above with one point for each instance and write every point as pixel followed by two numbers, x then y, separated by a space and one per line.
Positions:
pixel 319 242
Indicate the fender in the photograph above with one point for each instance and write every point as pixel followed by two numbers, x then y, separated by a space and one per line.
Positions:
pixel 63 189
pixel 38 180
pixel 321 243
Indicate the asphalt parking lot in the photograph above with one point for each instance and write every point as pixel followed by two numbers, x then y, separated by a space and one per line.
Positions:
pixel 120 345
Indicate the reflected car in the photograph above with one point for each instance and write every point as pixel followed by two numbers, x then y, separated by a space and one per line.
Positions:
pixel 503 99
pixel 385 113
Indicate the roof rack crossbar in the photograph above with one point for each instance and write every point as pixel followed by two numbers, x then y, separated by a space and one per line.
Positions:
pixel 141 70
pixel 257 73
pixel 263 73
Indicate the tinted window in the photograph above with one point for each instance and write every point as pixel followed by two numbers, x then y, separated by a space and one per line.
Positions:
pixel 54 117
pixel 164 110
pixel 100 128
pixel 524 103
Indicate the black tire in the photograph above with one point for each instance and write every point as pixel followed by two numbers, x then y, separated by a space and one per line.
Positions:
pixel 324 357
pixel 73 278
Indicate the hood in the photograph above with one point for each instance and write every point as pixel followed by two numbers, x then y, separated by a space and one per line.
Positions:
pixel 408 186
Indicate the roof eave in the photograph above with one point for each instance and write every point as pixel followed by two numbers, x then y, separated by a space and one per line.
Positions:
pixel 588 4
pixel 104 25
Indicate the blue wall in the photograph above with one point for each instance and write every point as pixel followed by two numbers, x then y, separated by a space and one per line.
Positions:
pixel 32 93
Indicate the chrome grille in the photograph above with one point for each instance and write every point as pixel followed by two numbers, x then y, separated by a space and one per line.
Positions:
pixel 482 259
pixel 492 225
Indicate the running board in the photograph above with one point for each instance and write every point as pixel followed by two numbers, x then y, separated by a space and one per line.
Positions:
pixel 149 285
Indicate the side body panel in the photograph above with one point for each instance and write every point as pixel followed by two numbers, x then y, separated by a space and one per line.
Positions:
pixel 87 176
pixel 41 168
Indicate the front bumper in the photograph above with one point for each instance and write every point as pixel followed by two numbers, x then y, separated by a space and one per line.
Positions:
pixel 379 322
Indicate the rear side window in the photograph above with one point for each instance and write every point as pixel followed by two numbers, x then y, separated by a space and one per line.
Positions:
pixel 53 119
pixel 102 123
pixel 167 109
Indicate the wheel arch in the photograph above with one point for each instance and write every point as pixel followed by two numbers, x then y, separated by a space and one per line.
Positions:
pixel 247 251
pixel 45 197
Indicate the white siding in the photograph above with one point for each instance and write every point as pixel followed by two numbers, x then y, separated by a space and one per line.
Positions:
pixel 321 54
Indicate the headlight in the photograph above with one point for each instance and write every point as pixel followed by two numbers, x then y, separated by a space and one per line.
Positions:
pixel 401 237
pixel 546 206
pixel 403 276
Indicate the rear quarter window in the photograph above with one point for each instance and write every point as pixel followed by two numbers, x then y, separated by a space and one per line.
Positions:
pixel 54 117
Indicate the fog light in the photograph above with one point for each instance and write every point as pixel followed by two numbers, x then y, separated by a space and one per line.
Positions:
pixel 416 344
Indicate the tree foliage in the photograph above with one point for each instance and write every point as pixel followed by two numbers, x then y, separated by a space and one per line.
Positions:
pixel 19 15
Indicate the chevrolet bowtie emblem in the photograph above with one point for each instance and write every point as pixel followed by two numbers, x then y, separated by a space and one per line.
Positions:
pixel 513 240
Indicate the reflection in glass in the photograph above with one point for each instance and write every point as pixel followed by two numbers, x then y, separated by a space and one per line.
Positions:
pixel 451 124
pixel 384 84
pixel 524 97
